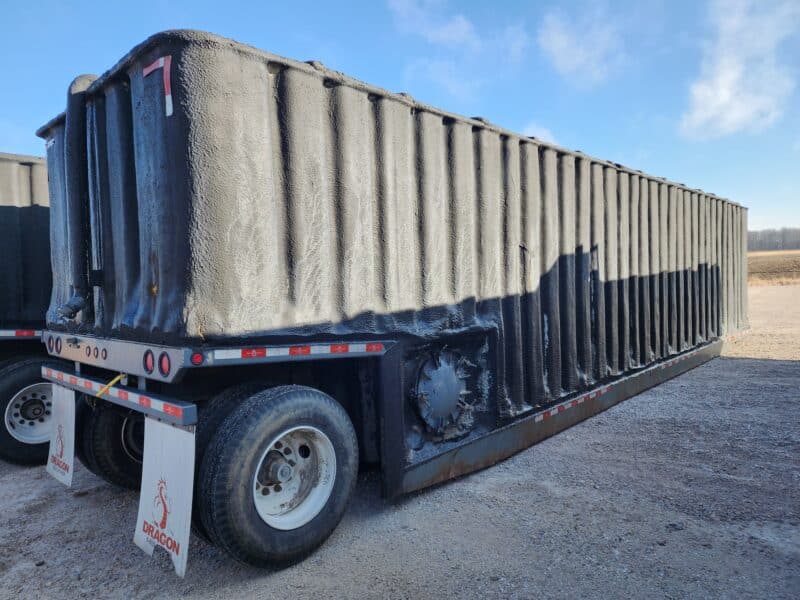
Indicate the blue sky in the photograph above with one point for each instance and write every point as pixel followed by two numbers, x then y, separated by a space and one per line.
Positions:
pixel 704 93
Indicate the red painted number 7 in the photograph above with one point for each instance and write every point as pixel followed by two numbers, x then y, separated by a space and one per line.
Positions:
pixel 164 63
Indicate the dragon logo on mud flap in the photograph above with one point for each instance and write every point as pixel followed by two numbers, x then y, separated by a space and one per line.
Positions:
pixel 60 441
pixel 57 457
pixel 158 529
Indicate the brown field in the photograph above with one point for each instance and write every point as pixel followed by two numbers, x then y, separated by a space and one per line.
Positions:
pixel 777 267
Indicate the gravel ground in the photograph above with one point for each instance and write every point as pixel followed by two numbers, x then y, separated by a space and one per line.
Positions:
pixel 687 490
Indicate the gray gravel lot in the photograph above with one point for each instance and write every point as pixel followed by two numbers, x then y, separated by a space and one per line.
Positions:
pixel 687 490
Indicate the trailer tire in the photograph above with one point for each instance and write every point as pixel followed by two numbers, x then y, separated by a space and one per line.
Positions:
pixel 249 453
pixel 84 412
pixel 111 448
pixel 24 447
pixel 210 417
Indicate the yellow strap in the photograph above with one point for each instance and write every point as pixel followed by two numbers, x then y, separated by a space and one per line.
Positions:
pixel 109 385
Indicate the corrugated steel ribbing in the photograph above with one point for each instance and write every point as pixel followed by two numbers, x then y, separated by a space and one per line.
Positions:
pixel 304 203
pixel 24 231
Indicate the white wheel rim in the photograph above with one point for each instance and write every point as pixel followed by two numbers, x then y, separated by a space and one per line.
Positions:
pixel 29 413
pixel 294 478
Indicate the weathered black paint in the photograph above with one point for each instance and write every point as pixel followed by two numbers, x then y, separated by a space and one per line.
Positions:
pixel 505 441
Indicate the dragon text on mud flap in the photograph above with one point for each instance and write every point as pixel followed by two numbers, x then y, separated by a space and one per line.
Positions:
pixel 165 500
pixel 61 458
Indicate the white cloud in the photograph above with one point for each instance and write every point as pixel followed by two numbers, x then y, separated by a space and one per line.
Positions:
pixel 461 50
pixel 514 43
pixel 584 50
pixel 743 86
pixel 429 20
pixel 447 75
pixel 539 132
pixel 421 17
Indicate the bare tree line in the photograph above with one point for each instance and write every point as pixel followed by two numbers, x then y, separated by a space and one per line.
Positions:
pixel 774 239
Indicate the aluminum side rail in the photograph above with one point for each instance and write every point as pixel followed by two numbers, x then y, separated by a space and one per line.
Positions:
pixel 20 334
pixel 128 357
pixel 164 409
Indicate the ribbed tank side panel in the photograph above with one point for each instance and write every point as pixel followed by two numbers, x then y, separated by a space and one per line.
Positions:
pixel 512 299
pixel 624 243
pixel 633 250
pixel 599 274
pixel 271 200
pixel 399 205
pixel 551 324
pixel 610 183
pixel 123 206
pixel 566 271
pixel 583 272
pixel 434 226
pixel 531 205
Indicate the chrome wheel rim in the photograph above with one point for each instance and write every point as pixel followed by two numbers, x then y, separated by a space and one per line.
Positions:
pixel 294 477
pixel 29 414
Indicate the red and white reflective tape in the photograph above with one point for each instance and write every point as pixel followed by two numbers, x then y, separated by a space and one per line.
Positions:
pixel 298 351
pixel 164 63
pixel 675 360
pixel 559 408
pixel 126 397
pixel 20 333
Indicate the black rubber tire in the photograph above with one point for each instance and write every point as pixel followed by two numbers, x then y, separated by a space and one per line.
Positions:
pixel 210 417
pixel 15 375
pixel 7 361
pixel 84 412
pixel 226 503
pixel 104 431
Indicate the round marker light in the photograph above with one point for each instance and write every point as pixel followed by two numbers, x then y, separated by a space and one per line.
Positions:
pixel 58 345
pixel 197 358
pixel 50 344
pixel 164 364
pixel 149 361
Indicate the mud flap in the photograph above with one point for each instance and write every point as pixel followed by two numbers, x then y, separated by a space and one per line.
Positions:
pixel 165 498
pixel 61 458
